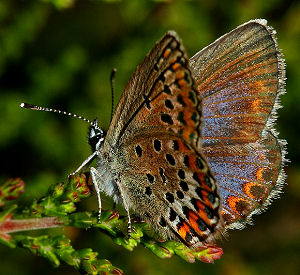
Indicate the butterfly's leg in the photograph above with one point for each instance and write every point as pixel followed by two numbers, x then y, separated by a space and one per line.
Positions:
pixel 126 208
pixel 85 163
pixel 96 177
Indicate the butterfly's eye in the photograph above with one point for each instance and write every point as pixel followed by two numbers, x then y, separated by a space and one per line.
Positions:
pixel 96 137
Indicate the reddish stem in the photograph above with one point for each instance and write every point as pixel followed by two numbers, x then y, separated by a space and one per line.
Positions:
pixel 9 226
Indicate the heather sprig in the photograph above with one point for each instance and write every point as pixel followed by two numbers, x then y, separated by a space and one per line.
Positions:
pixel 58 208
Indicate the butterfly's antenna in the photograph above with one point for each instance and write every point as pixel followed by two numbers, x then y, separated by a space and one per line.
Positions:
pixel 45 109
pixel 112 81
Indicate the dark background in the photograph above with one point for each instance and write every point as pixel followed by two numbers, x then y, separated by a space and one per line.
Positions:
pixel 60 54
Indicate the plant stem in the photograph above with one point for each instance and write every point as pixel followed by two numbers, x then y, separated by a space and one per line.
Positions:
pixel 9 226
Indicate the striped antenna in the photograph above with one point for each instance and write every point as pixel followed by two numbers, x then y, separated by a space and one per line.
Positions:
pixel 45 109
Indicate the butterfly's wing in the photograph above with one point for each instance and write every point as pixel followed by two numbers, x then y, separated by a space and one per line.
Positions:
pixel 171 187
pixel 154 135
pixel 165 67
pixel 240 77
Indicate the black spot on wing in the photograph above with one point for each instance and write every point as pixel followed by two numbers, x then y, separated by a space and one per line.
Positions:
pixel 167 119
pixel 148 191
pixel 150 178
pixel 170 159
pixel 138 150
pixel 169 197
pixel 157 145
pixel 181 174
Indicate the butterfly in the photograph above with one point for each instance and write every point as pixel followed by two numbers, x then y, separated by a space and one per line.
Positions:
pixel 191 147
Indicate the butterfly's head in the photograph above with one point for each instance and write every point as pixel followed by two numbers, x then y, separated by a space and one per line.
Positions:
pixel 96 136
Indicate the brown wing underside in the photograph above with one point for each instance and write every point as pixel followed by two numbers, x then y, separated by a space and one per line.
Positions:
pixel 171 186
pixel 159 96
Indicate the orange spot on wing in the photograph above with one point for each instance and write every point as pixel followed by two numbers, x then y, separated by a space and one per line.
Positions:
pixel 172 60
pixel 232 200
pixel 193 215
pixel 259 174
pixel 179 74
pixel 182 147
pixel 193 221
pixel 247 189
pixel 256 103
pixel 239 205
pixel 167 53
pixel 192 162
pixel 183 84
pixel 176 66
pixel 182 232
pixel 202 213
pixel 255 191
pixel 186 227
pixel 195 225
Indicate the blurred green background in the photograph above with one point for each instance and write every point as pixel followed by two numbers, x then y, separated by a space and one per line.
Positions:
pixel 60 53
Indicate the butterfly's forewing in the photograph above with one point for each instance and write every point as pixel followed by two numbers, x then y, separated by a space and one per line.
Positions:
pixel 240 77
pixel 162 71
pixel 153 135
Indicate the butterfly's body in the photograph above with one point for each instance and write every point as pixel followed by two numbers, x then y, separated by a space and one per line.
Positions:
pixel 108 171
pixel 191 148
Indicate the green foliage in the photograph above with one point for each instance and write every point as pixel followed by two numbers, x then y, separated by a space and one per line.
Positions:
pixel 58 208
pixel 61 4
pixel 58 249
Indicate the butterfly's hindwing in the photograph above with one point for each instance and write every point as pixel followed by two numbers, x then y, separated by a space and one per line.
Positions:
pixel 180 196
pixel 249 176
